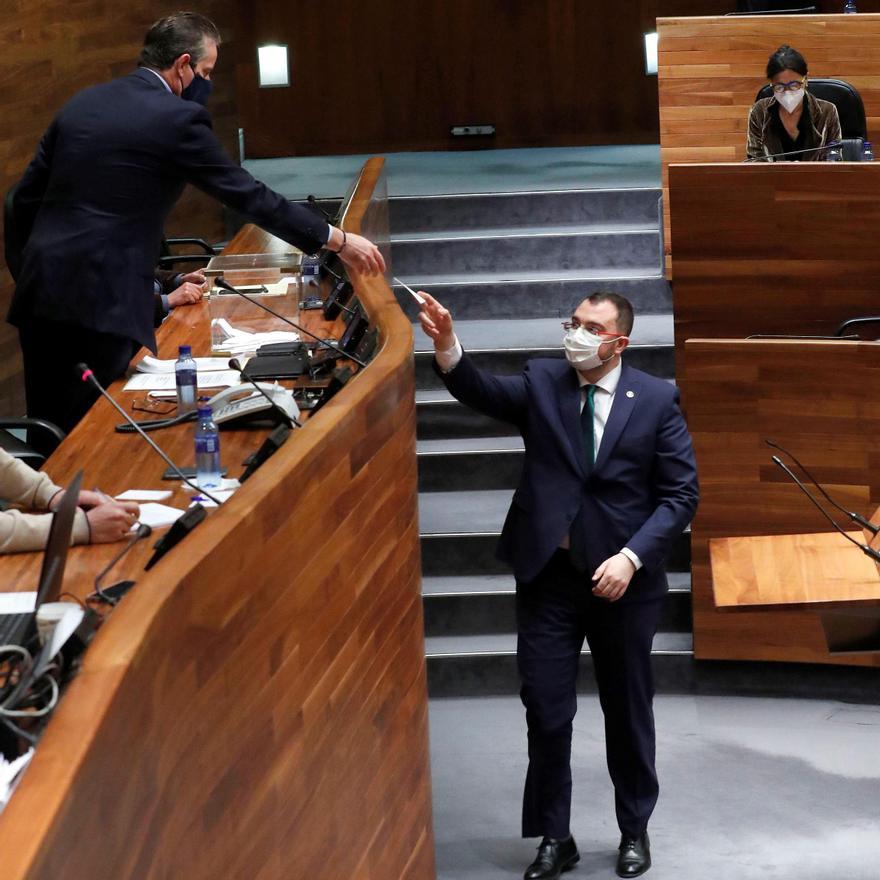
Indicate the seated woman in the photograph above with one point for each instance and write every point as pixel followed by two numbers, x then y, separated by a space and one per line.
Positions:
pixel 792 119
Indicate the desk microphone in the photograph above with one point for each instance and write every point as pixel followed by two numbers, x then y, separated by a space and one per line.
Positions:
pixel 88 376
pixel 235 364
pixel 222 282
pixel 855 517
pixel 868 551
pixel 142 531
pixel 830 146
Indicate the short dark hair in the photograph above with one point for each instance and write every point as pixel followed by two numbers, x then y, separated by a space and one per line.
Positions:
pixel 625 317
pixel 786 58
pixel 183 33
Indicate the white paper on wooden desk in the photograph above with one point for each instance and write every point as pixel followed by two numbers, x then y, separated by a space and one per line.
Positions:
pixel 18 603
pixel 148 364
pixel 157 515
pixel 144 495
pixel 167 382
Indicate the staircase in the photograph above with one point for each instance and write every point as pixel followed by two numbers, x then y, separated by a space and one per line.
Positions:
pixel 511 267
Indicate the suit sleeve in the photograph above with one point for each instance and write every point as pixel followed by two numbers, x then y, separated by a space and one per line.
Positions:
pixel 674 479
pixel 501 397
pixel 205 164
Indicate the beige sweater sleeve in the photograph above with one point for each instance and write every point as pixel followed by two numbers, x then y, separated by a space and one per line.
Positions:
pixel 31 490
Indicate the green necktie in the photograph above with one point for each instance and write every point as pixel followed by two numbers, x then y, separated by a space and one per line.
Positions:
pixel 577 536
pixel 587 416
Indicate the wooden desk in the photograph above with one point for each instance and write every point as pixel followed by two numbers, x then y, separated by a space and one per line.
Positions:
pixel 817 400
pixel 773 248
pixel 710 69
pixel 257 705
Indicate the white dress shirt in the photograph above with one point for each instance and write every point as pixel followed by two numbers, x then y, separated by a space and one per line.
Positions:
pixel 603 398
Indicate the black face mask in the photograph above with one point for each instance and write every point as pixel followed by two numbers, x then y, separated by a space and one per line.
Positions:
pixel 199 90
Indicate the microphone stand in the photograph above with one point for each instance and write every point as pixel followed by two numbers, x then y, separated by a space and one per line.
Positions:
pixel 143 531
pixel 88 376
pixel 222 282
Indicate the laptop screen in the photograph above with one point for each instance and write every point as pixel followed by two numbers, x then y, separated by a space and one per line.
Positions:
pixel 52 572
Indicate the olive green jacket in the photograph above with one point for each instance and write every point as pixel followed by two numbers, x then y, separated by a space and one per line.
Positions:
pixel 764 141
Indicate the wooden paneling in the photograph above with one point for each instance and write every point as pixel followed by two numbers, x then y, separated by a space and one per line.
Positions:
pixel 388 75
pixel 256 709
pixel 773 248
pixel 814 398
pixel 710 70
pixel 53 49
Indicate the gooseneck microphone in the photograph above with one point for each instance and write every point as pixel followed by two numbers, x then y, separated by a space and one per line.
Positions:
pixel 868 551
pixel 235 364
pixel 855 517
pixel 142 531
pixel 830 146
pixel 88 376
pixel 222 282
pixel 313 202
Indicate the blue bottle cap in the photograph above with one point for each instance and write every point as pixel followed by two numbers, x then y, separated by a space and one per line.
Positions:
pixel 184 350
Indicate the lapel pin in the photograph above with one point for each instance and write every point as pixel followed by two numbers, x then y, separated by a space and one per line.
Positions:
pixel 630 394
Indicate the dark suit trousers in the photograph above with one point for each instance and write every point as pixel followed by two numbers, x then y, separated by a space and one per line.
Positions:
pixel 53 387
pixel 555 612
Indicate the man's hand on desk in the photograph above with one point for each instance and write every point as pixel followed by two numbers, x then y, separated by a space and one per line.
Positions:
pixel 185 295
pixel 356 251
pixel 197 277
pixel 109 520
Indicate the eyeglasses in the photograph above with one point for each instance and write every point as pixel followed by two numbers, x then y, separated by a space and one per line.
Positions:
pixel 574 325
pixel 794 86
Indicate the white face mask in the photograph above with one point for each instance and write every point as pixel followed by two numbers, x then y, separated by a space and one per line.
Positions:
pixel 582 348
pixel 791 100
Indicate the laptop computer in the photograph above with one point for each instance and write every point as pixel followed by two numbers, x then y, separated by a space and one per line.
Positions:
pixel 19 629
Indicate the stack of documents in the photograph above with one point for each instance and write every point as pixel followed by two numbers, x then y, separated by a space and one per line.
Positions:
pixel 154 374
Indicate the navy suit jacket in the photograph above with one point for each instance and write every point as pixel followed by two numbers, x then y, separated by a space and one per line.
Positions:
pixel 642 491
pixel 94 200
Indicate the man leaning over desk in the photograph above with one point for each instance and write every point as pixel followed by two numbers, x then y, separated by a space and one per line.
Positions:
pixel 105 176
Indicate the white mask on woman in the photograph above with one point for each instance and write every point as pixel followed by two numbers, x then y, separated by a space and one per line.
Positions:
pixel 582 348
pixel 791 100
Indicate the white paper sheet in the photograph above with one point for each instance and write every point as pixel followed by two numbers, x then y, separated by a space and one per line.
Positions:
pixel 167 382
pixel 144 495
pixel 149 364
pixel 158 515
pixel 18 603
pixel 10 773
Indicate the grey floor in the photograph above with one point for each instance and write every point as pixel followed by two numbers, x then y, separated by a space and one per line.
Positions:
pixel 750 788
pixel 471 171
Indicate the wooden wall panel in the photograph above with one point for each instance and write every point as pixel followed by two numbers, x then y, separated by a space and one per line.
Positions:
pixel 772 248
pixel 51 50
pixel 256 708
pixel 814 399
pixel 391 75
pixel 710 70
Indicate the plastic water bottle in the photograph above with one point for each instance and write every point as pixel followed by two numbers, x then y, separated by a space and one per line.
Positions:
pixel 867 152
pixel 207 437
pixel 835 152
pixel 185 376
pixel 849 8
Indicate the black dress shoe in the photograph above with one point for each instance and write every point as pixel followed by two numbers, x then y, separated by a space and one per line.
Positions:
pixel 635 855
pixel 554 857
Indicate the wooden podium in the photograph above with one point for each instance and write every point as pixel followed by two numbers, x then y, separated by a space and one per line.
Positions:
pixel 819 571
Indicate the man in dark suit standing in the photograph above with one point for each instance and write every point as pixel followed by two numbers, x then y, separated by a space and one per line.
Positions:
pixel 92 206
pixel 608 483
